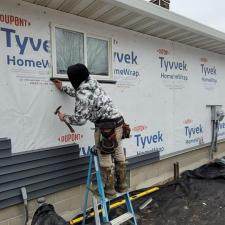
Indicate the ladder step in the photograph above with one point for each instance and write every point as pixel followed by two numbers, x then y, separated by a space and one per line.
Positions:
pixel 121 219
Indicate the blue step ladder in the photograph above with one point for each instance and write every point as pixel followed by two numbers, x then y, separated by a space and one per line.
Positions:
pixel 104 202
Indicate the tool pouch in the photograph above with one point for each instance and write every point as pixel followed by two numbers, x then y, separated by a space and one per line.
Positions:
pixel 108 141
pixel 126 131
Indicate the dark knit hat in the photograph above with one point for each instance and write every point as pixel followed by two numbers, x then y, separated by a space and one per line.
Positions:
pixel 77 74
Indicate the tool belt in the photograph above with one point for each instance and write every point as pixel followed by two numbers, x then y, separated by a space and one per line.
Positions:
pixel 108 141
pixel 126 131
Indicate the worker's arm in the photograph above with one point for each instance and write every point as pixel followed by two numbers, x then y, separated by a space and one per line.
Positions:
pixel 81 112
pixel 68 90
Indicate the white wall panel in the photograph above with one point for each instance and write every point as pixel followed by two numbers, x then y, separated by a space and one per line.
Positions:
pixel 162 91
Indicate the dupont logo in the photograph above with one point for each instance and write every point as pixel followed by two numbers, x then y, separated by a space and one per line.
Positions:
pixel 139 128
pixel 187 121
pixel 72 137
pixel 163 51
pixel 14 20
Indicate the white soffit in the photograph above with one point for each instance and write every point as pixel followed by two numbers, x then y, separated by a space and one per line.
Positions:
pixel 143 17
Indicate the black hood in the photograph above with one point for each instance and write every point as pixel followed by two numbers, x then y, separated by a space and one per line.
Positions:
pixel 77 74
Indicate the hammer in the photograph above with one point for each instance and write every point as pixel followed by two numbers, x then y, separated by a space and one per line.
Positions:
pixel 68 125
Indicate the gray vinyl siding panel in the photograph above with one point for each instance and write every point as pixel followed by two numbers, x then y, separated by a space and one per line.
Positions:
pixel 5 148
pixel 143 160
pixel 46 171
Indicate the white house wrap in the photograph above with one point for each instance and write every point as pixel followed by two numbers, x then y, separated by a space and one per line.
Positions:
pixel 162 87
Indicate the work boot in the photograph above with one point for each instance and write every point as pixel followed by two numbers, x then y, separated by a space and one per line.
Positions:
pixel 109 181
pixel 121 183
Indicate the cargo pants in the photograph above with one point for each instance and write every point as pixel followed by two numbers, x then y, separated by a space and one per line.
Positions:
pixel 105 160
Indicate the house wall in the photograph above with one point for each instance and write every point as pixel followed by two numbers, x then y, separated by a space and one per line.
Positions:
pixel 162 89
pixel 69 203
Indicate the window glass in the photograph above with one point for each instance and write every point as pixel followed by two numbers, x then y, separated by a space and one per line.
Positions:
pixel 97 56
pixel 69 49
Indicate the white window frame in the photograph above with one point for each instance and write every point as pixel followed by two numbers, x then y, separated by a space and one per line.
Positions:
pixel 86 35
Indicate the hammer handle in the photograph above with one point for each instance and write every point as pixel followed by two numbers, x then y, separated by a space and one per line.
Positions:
pixel 70 127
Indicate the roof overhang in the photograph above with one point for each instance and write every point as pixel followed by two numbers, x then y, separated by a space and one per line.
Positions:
pixel 143 17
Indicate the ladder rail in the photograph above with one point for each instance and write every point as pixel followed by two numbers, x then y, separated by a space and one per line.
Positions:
pixel 128 216
pixel 130 207
pixel 95 207
pixel 105 216
pixel 87 188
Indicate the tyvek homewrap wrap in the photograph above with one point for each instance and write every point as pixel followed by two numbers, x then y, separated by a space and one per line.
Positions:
pixel 162 87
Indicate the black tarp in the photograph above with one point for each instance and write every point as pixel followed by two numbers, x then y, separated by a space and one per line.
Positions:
pixel 46 215
pixel 197 198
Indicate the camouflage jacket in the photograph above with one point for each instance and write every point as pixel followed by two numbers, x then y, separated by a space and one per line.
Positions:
pixel 91 103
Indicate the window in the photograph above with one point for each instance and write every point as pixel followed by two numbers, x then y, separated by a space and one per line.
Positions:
pixel 71 47
pixel 97 56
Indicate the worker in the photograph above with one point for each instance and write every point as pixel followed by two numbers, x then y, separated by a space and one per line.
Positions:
pixel 93 104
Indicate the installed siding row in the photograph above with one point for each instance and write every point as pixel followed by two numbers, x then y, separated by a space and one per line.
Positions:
pixel 46 171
